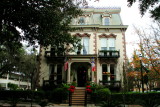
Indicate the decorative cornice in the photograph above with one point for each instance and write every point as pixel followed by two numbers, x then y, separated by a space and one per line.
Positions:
pixel 82 35
pixel 108 36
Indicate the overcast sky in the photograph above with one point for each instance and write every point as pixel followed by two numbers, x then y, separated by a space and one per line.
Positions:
pixel 130 16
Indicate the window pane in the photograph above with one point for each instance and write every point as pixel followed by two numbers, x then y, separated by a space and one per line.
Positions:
pixel 106 21
pixel 103 43
pixel 85 45
pixel 111 48
pixel 104 68
pixel 111 43
pixel 104 72
pixel 112 66
pixel 103 48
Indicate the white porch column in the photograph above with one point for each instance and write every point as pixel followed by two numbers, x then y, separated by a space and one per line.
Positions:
pixel 108 70
pixel 69 73
pixel 92 76
pixel 55 71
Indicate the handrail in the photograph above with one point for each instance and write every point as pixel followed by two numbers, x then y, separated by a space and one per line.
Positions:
pixel 70 100
pixel 85 104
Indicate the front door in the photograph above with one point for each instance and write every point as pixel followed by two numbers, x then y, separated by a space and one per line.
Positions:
pixel 81 76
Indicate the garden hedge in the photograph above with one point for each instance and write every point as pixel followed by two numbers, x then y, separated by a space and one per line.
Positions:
pixel 143 99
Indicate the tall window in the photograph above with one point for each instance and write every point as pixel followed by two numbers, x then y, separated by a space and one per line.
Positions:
pixel 111 44
pixel 108 44
pixel 104 72
pixel 56 73
pixel 103 43
pixel 52 72
pixel 85 44
pixel 112 71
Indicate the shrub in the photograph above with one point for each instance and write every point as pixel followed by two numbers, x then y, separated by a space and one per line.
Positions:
pixel 60 94
pixel 74 83
pixel 103 93
pixel 65 86
pixel 12 86
pixel 94 87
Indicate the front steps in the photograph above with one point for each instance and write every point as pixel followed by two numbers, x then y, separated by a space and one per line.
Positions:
pixel 78 97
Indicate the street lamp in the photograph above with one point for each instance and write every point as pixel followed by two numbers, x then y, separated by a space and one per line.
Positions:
pixel 140 56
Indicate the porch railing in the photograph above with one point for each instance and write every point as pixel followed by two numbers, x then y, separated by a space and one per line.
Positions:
pixel 110 83
pixel 70 98
pixel 85 103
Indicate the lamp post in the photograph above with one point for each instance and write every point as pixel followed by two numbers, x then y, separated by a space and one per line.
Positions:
pixel 140 56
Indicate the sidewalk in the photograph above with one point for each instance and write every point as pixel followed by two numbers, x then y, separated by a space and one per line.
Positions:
pixel 3 104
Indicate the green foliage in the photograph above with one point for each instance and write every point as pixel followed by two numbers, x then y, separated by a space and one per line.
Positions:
pixel 65 86
pixel 43 21
pixel 143 99
pixel 103 93
pixel 144 5
pixel 12 86
pixel 110 103
pixel 74 83
pixel 94 87
pixel 10 58
pixel 60 94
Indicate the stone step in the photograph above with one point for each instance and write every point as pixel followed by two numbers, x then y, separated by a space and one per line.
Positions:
pixel 78 97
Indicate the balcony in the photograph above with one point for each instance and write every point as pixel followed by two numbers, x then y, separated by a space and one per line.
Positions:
pixel 109 54
pixel 53 56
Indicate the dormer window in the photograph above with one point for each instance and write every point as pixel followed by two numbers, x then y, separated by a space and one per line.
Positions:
pixel 81 21
pixel 106 21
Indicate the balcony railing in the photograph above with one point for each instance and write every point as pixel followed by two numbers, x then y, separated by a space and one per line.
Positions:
pixel 53 54
pixel 109 54
pixel 112 85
